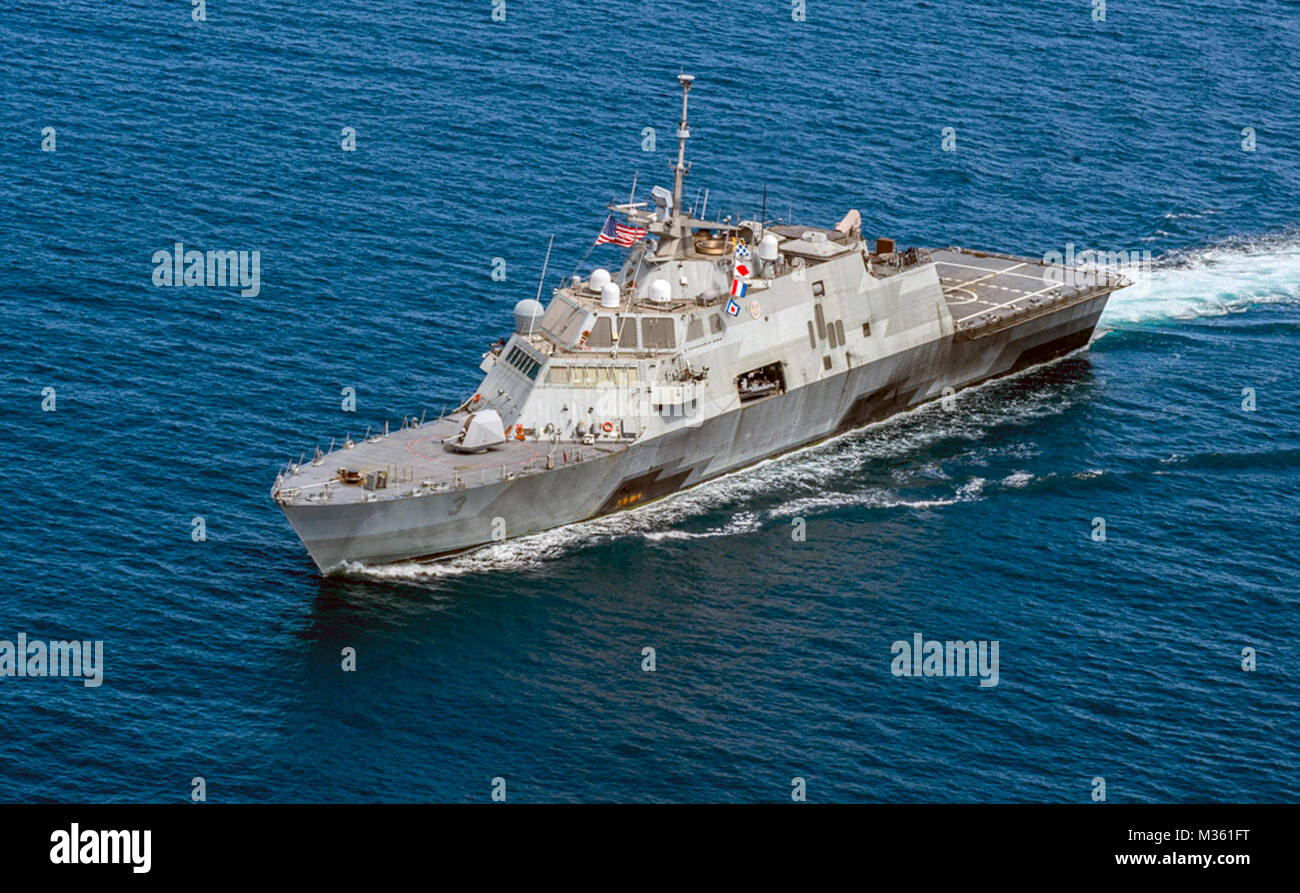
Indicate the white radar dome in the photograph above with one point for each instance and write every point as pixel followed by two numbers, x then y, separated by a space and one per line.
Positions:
pixel 769 247
pixel 660 291
pixel 599 279
pixel 527 314
pixel 608 295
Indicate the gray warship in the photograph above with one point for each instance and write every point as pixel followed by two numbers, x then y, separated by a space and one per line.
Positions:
pixel 716 345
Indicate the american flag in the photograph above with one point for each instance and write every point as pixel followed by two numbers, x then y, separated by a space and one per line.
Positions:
pixel 619 233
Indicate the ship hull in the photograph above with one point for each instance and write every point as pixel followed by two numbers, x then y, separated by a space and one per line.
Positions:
pixel 439 525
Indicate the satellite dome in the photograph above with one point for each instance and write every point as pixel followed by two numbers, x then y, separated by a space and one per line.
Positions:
pixel 769 247
pixel 660 291
pixel 528 313
pixel 599 278
pixel 609 295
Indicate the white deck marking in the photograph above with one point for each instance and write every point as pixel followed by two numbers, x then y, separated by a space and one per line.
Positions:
pixel 1023 297
pixel 1023 263
pixel 991 273
pixel 967 284
pixel 953 263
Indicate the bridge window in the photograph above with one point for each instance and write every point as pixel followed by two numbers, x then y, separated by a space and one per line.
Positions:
pixel 592 376
pixel 523 362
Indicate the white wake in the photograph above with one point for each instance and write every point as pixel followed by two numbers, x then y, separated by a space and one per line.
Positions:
pixel 1215 281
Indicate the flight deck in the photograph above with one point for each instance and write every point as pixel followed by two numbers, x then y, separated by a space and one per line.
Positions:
pixel 987 292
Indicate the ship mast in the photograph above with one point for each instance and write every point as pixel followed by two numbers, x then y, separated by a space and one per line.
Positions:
pixel 678 229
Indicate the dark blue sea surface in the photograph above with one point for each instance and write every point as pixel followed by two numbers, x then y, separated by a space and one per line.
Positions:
pixel 478 139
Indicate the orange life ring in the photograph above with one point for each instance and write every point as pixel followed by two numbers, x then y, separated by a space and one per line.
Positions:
pixel 607 427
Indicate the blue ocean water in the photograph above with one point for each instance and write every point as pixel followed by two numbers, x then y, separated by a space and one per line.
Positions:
pixel 478 139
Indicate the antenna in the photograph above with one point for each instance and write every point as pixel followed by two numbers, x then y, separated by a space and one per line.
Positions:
pixel 762 219
pixel 541 281
pixel 683 134
pixel 632 197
